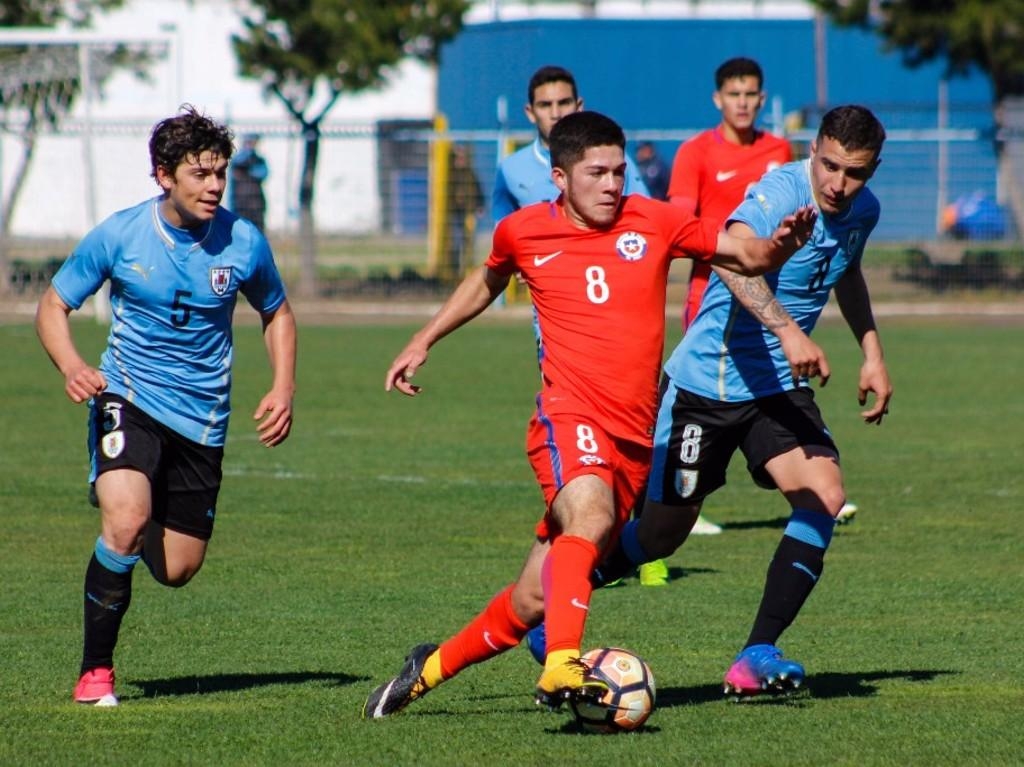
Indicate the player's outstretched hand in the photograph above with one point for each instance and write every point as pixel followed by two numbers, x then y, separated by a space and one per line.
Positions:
pixel 795 229
pixel 83 383
pixel 274 414
pixel 404 368
pixel 874 377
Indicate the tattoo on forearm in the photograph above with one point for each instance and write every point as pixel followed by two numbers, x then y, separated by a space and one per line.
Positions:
pixel 757 298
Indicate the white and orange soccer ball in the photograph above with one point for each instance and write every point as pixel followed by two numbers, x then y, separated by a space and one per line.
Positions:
pixel 629 700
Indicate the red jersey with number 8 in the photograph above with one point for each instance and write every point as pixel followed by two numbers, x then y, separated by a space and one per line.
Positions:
pixel 599 296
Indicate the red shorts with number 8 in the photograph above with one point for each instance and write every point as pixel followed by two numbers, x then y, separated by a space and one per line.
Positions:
pixel 563 446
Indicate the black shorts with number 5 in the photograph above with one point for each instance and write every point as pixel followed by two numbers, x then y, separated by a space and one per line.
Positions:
pixel 696 437
pixel 184 476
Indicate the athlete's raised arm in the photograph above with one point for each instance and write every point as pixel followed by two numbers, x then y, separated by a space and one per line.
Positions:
pixel 753 256
pixel 474 294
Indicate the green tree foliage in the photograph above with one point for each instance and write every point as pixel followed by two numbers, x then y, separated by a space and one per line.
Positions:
pixel 988 34
pixel 47 13
pixel 307 54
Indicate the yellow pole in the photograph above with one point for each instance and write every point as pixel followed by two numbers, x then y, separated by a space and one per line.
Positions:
pixel 437 221
pixel 513 289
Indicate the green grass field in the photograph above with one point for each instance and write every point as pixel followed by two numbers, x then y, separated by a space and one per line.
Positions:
pixel 385 521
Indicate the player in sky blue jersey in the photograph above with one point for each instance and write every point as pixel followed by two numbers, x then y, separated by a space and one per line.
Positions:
pixel 739 380
pixel 732 356
pixel 160 399
pixel 524 177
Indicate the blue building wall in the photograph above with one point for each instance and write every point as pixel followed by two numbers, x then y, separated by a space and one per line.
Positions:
pixel 658 75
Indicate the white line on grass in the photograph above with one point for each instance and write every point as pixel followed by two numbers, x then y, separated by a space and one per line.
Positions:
pixel 467 481
pixel 274 474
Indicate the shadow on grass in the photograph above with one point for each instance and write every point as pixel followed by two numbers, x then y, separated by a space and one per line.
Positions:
pixel 819 687
pixel 214 683
pixel 572 727
pixel 776 523
pixel 862 685
pixel 674 574
pixel 678 573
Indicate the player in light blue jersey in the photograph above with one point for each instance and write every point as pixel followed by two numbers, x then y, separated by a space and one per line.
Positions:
pixel 740 380
pixel 524 177
pixel 734 356
pixel 160 399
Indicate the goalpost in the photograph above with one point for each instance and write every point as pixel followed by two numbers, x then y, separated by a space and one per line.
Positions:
pixel 57 64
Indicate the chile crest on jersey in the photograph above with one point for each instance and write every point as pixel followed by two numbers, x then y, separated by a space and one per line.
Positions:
pixel 631 246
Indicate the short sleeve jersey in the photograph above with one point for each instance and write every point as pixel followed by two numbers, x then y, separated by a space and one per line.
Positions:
pixel 172 296
pixel 599 297
pixel 524 177
pixel 716 173
pixel 726 353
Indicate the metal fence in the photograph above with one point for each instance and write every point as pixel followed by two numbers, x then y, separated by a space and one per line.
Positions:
pixel 940 192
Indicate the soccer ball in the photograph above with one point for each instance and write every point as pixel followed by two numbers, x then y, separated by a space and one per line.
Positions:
pixel 630 697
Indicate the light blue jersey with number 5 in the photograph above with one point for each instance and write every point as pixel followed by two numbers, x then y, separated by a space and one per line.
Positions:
pixel 172 297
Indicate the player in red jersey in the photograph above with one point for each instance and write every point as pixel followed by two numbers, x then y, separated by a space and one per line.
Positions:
pixel 597 267
pixel 712 171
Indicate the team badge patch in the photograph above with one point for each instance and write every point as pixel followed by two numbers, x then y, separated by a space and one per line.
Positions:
pixel 631 246
pixel 686 482
pixel 592 460
pixel 112 444
pixel 220 279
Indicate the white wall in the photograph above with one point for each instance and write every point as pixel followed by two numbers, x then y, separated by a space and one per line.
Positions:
pixel 200 68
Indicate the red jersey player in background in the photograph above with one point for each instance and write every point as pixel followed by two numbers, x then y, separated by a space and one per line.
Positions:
pixel 596 263
pixel 713 170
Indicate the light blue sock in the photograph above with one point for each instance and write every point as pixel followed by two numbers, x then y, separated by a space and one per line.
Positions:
pixel 812 527
pixel 116 563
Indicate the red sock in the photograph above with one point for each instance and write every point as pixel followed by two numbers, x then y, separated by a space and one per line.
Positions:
pixel 567 588
pixel 490 633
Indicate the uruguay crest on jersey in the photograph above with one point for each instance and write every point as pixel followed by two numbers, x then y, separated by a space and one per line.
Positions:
pixel 220 279
pixel 112 444
pixel 686 482
pixel 632 246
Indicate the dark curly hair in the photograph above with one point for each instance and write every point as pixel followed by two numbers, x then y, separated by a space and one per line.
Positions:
pixel 186 135
pixel 854 127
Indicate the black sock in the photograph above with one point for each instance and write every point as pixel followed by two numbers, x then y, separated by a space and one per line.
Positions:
pixel 616 565
pixel 792 575
pixel 107 596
